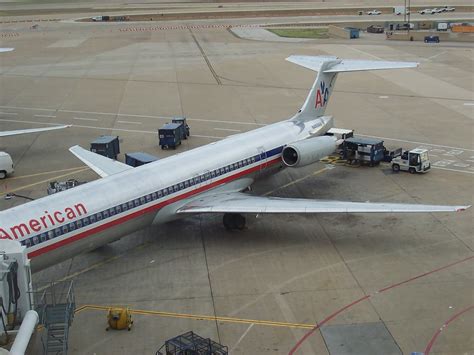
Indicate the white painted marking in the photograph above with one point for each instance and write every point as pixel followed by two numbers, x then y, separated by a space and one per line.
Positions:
pixel 458 171
pixel 228 129
pixel 358 50
pixel 9 113
pixel 85 119
pixel 469 104
pixel 131 115
pixel 455 152
pixel 405 141
pixel 437 150
pixel 436 55
pixel 383 97
pixel 104 128
pixel 129 122
pixel 470 160
pixel 461 165
pixel 241 338
pixel 47 116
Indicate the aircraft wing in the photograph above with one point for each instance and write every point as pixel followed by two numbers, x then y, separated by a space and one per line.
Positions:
pixel 243 203
pixel 30 130
pixel 101 165
pixel 347 65
pixel 2 50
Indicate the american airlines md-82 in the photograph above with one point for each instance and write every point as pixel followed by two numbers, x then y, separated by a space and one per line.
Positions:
pixel 208 179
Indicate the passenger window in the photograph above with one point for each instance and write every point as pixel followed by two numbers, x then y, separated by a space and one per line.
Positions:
pixel 28 243
pixel 160 194
pixel 35 240
pixel 130 205
pixel 181 186
pixel 92 218
pixel 165 192
pixel 65 229
pixel 148 198
pixel 154 196
pixel 118 209
pixel 105 214
pixel 99 216
pixel 227 169
pixel 124 207
pixel 175 188
pixel 142 200
pixel 44 237
pixel 240 164
pixel 51 234
pixel 197 180
pixel 79 223
pixel 112 211
pixel 186 184
pixel 58 232
pixel 136 202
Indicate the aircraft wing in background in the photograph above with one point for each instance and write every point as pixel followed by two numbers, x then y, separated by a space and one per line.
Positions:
pixel 30 130
pixel 101 165
pixel 243 203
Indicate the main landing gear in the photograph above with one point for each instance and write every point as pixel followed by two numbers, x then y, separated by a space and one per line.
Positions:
pixel 233 221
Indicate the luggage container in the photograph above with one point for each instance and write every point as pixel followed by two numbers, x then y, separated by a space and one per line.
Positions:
pixel 363 150
pixel 107 146
pixel 139 158
pixel 184 126
pixel 170 135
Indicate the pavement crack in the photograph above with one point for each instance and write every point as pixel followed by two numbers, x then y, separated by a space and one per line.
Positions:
pixel 214 74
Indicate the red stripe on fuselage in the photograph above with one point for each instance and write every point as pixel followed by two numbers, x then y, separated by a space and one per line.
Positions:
pixel 152 208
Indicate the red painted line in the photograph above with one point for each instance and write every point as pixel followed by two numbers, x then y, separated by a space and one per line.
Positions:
pixel 333 315
pixel 445 325
pixel 148 209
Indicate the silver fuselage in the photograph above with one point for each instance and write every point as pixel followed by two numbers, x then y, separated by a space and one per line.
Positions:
pixel 57 227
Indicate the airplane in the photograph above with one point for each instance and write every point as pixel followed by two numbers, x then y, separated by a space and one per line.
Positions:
pixel 209 179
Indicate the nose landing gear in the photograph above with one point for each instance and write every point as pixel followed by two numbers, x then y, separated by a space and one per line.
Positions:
pixel 233 221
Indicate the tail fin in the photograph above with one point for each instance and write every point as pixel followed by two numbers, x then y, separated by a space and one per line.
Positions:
pixel 327 68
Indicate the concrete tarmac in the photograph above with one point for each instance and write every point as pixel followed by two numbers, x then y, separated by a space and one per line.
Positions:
pixel 392 277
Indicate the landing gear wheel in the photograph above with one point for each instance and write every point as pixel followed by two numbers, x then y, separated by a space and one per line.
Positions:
pixel 3 175
pixel 412 170
pixel 396 168
pixel 233 221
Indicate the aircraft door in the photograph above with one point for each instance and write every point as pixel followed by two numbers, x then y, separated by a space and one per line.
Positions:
pixel 262 157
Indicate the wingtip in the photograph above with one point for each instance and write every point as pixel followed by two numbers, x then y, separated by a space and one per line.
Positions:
pixel 463 208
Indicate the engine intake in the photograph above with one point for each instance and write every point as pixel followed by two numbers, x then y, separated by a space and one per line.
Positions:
pixel 308 151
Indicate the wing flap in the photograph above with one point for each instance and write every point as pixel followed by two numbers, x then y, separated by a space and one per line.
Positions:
pixel 103 166
pixel 243 203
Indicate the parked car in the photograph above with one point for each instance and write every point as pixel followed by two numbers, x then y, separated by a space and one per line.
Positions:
pixel 449 8
pixel 426 12
pixel 374 12
pixel 431 39
pixel 375 29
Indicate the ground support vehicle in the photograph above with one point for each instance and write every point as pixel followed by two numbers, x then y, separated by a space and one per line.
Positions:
pixel 431 39
pixel 107 146
pixel 57 186
pixel 374 12
pixel 170 135
pixel 375 29
pixel 413 161
pixel 184 126
pixel 6 165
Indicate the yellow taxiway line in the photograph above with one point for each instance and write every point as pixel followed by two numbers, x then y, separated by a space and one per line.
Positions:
pixel 45 173
pixel 296 181
pixel 201 317
pixel 44 181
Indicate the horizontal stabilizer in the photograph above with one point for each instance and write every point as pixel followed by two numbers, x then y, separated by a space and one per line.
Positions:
pixel 30 130
pixel 346 65
pixel 101 165
pixel 244 203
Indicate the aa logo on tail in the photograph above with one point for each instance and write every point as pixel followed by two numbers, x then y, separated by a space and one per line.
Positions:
pixel 322 95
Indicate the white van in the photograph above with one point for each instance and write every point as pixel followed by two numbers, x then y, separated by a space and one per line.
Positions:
pixel 6 165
